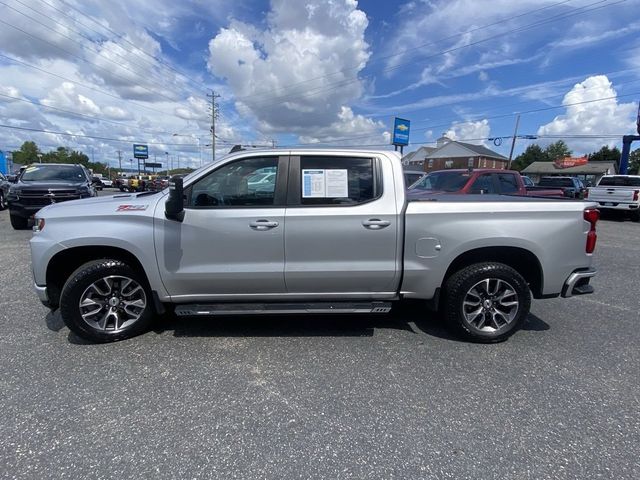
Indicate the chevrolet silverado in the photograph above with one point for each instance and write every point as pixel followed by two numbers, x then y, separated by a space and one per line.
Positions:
pixel 335 233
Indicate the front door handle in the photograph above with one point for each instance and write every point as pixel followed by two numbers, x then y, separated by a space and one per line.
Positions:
pixel 263 224
pixel 375 224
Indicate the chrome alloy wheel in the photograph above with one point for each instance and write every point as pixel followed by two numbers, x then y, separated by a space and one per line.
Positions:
pixel 490 304
pixel 112 303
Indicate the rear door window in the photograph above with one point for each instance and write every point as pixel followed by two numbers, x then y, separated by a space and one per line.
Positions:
pixel 326 180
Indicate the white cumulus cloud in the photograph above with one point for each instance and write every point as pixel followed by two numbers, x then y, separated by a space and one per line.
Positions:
pixel 470 132
pixel 598 117
pixel 299 74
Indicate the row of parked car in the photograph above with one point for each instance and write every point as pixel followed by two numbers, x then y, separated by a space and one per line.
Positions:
pixel 491 181
pixel 613 192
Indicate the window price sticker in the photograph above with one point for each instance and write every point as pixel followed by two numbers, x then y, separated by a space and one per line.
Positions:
pixel 325 183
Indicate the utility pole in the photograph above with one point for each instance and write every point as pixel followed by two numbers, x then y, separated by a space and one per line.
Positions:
pixel 119 161
pixel 273 143
pixel 513 142
pixel 214 116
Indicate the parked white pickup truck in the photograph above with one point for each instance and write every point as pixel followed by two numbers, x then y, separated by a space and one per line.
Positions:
pixel 334 233
pixel 618 192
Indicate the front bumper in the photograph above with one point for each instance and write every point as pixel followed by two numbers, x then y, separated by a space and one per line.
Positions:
pixel 25 211
pixel 578 283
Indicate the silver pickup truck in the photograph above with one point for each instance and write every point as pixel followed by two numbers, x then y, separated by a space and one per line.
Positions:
pixel 331 231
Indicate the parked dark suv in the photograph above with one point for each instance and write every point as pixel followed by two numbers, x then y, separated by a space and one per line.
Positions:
pixel 42 184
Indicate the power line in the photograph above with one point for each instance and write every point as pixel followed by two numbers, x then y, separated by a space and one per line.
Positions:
pixel 78 114
pixel 95 137
pixel 483 116
pixel 89 87
pixel 92 41
pixel 83 59
pixel 329 87
pixel 608 74
pixel 403 52
pixel 97 51
pixel 524 112
pixel 122 37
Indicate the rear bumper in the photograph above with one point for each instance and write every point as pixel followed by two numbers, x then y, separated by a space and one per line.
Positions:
pixel 578 283
pixel 618 206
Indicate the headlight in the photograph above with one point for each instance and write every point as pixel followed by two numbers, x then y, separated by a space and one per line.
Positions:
pixel 38 225
pixel 14 192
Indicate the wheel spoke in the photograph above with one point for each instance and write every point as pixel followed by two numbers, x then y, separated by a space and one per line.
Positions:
pixel 128 294
pixel 471 316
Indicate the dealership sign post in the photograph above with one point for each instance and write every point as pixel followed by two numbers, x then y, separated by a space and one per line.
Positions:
pixel 400 137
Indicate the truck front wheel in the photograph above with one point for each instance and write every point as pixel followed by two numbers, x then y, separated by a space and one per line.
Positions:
pixel 106 300
pixel 18 222
pixel 486 302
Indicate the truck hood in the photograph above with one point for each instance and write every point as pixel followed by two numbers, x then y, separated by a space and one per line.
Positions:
pixel 127 204
pixel 26 186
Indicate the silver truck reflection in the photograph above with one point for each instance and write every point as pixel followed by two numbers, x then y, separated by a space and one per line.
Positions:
pixel 290 231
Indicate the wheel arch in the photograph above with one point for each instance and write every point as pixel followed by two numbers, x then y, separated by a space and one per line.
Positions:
pixel 65 262
pixel 520 259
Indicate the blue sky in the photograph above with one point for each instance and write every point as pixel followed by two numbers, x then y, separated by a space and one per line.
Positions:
pixel 99 76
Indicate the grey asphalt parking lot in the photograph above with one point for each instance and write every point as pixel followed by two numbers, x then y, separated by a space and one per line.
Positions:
pixel 380 397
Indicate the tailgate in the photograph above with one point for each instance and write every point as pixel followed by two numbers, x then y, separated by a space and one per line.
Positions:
pixel 611 194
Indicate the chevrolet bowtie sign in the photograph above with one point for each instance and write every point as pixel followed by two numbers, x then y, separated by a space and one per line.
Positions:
pixel 401 129
pixel 140 151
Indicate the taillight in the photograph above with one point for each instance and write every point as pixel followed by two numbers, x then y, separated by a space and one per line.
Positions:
pixel 635 195
pixel 591 215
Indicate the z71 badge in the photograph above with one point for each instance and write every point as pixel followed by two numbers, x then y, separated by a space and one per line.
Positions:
pixel 131 208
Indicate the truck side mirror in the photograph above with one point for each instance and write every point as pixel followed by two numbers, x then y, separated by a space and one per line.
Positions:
pixel 174 207
pixel 12 178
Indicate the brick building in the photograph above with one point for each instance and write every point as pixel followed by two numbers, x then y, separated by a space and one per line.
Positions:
pixel 453 154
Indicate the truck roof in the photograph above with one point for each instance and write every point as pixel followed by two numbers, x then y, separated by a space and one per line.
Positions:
pixel 478 170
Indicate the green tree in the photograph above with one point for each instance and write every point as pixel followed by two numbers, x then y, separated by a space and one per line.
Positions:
pixel 605 154
pixel 634 162
pixel 533 153
pixel 557 150
pixel 28 153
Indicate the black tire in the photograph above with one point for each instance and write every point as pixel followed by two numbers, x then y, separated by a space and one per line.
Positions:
pixel 80 283
pixel 18 222
pixel 491 319
pixel 3 202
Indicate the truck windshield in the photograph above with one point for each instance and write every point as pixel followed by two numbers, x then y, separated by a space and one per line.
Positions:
pixel 619 182
pixel 54 173
pixel 443 181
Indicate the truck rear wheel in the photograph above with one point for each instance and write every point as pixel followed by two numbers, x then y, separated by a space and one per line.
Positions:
pixel 486 302
pixel 105 301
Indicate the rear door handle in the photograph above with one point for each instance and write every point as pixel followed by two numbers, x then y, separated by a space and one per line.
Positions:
pixel 375 224
pixel 263 224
